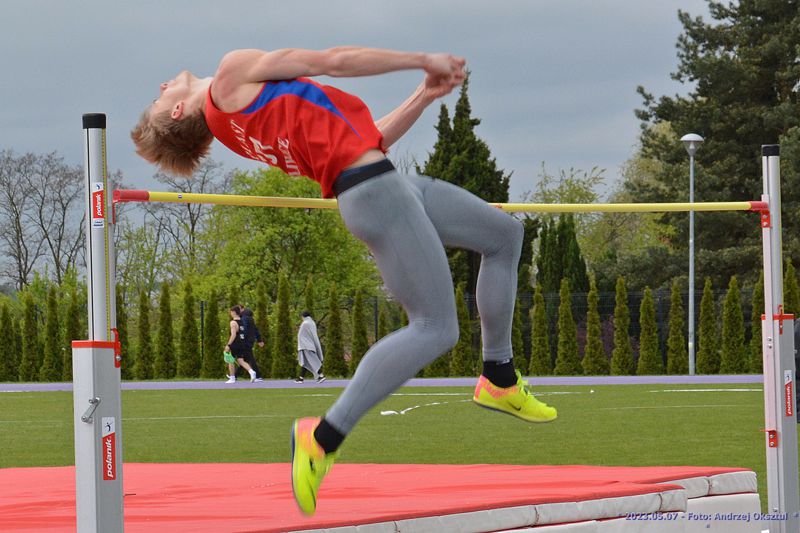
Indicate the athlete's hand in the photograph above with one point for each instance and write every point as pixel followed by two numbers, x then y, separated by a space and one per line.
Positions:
pixel 444 65
pixel 436 87
pixel 444 73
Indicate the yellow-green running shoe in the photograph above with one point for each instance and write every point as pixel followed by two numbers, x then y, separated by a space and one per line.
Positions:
pixel 517 400
pixel 310 463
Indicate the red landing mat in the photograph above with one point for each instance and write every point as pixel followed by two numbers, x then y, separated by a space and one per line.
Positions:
pixel 258 497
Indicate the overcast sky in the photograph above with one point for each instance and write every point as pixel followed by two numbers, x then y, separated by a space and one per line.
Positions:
pixel 553 81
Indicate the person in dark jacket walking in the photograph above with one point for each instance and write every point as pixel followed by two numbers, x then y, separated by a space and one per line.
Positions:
pixel 251 337
pixel 237 347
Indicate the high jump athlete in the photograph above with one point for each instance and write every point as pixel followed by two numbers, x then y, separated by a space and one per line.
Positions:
pixel 264 106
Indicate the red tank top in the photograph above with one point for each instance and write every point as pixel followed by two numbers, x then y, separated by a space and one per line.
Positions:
pixel 300 126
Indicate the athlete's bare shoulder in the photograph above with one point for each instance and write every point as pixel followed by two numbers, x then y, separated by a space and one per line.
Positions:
pixel 231 89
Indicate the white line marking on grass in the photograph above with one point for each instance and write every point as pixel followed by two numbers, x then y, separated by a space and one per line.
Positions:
pixel 404 411
pixel 664 407
pixel 709 390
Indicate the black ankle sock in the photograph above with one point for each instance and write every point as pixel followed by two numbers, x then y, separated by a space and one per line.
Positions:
pixel 500 373
pixel 328 437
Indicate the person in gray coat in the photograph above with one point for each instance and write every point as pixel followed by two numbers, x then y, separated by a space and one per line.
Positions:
pixel 309 350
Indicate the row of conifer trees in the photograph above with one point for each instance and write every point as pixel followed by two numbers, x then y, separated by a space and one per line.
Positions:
pixel 36 344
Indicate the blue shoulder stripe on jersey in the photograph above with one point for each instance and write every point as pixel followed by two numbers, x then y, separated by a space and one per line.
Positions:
pixel 307 91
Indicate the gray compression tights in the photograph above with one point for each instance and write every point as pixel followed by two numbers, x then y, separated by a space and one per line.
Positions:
pixel 406 221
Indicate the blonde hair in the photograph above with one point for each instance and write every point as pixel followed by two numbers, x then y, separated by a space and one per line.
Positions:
pixel 176 146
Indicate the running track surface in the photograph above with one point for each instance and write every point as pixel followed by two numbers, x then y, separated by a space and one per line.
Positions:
pixel 417 382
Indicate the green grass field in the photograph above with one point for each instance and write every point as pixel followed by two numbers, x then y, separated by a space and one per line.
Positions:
pixel 633 425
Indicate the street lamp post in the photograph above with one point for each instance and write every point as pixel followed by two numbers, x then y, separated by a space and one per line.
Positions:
pixel 691 142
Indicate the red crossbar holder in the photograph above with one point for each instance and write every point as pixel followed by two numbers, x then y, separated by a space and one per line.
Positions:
pixel 92 344
pixel 115 345
pixel 126 195
pixel 781 316
pixel 130 195
pixel 772 437
pixel 763 212
pixel 117 348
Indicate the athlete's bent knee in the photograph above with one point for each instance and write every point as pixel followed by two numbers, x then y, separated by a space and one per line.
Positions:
pixel 450 334
pixel 438 335
pixel 516 232
pixel 510 235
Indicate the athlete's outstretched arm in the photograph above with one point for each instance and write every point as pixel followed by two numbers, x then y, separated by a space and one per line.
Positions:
pixel 395 124
pixel 254 66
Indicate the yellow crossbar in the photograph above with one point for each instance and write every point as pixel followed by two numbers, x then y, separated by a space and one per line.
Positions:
pixel 631 208
pixel 320 203
pixel 250 201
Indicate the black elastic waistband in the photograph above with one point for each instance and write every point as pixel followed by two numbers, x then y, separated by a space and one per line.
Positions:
pixel 353 176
